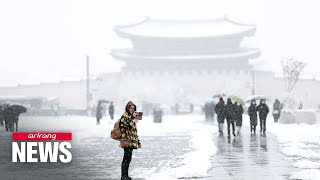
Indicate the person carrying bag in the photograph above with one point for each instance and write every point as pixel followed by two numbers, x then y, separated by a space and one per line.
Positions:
pixel 129 138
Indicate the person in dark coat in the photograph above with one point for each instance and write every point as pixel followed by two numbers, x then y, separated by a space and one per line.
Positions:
pixel 11 115
pixel 157 114
pixel 99 113
pixel 111 110
pixel 220 109
pixel 211 110
pixel 277 107
pixel 239 112
pixel 208 110
pixel 263 113
pixel 1 116
pixel 252 112
pixel 230 116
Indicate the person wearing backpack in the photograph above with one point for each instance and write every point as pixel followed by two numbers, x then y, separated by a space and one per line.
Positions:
pixel 129 138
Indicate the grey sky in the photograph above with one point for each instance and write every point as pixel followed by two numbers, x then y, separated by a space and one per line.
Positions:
pixel 47 40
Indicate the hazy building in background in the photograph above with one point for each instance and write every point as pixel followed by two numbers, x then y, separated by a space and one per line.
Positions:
pixel 177 60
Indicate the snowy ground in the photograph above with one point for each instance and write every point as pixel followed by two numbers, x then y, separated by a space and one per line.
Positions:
pixel 175 148
pixel 196 163
pixel 179 147
pixel 302 143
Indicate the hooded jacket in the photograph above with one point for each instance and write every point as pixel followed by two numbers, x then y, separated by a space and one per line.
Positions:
pixel 128 127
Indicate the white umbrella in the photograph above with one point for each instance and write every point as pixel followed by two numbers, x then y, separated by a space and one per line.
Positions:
pixel 256 97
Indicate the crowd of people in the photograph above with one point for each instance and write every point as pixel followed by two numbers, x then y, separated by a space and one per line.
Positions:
pixel 232 114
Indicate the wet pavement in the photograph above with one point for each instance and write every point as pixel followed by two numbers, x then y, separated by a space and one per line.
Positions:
pixel 249 156
pixel 96 156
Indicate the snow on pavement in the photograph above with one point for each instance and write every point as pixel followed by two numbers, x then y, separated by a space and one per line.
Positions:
pixel 302 142
pixel 197 162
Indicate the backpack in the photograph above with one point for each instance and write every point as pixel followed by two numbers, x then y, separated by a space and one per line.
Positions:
pixel 116 133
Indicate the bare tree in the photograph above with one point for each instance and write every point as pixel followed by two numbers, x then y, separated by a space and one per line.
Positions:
pixel 291 70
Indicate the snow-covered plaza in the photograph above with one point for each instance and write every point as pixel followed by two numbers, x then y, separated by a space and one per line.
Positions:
pixel 181 147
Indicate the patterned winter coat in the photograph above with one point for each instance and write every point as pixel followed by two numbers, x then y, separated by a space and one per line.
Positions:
pixel 129 130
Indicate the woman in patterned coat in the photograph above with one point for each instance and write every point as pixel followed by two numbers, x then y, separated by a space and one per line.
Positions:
pixel 129 132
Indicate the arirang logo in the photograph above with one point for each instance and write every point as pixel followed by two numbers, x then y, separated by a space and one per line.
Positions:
pixel 29 147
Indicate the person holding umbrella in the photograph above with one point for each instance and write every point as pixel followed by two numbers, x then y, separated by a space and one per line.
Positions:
pixel 252 112
pixel 221 113
pixel 263 113
pixel 11 115
pixel 230 116
pixel 239 112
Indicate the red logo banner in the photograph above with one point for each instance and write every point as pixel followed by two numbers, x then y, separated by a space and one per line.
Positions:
pixel 41 136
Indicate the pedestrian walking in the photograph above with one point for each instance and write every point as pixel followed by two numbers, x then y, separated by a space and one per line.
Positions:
pixel 206 110
pixel 211 110
pixel 230 116
pixel 252 112
pixel 239 113
pixel 220 109
pixel 129 138
pixel 1 116
pixel 99 110
pixel 111 110
pixel 277 107
pixel 263 113
pixel 157 114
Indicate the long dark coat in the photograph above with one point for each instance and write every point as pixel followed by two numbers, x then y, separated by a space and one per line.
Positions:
pixel 1 116
pixel 99 112
pixel 221 111
pixel 111 111
pixel 239 112
pixel 230 111
pixel 252 112
pixel 277 107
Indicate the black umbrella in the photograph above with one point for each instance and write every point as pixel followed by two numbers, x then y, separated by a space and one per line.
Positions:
pixel 18 108
pixel 219 95
pixel 103 101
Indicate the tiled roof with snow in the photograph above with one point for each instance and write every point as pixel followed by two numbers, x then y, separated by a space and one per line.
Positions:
pixel 185 28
